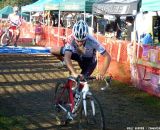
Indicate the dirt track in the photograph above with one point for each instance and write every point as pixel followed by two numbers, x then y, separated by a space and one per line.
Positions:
pixel 26 89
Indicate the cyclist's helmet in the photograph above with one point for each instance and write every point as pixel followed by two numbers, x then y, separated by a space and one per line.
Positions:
pixel 80 30
pixel 15 9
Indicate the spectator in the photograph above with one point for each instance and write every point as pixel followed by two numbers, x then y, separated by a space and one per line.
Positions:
pixel 118 27
pixel 38 32
pixel 129 26
pixel 95 21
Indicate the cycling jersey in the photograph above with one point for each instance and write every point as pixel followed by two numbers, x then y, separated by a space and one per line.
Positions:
pixel 91 45
pixel 87 60
pixel 14 20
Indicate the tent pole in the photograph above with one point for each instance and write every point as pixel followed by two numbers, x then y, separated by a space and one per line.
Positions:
pixel 92 23
pixel 84 15
pixel 43 17
pixel 30 16
pixel 134 44
pixel 21 15
pixel 49 35
pixel 97 55
pixel 59 18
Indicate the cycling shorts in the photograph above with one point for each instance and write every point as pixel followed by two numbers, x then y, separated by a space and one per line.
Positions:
pixel 13 27
pixel 87 64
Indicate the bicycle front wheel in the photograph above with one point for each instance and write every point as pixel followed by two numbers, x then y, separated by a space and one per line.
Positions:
pixel 92 121
pixel 5 40
pixel 61 102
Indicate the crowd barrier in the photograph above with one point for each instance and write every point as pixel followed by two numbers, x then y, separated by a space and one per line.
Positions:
pixel 148 72
pixel 145 73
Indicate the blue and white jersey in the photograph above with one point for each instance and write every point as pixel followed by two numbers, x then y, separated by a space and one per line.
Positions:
pixel 91 45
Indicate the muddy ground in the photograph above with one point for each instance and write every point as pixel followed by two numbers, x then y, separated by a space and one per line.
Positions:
pixel 26 90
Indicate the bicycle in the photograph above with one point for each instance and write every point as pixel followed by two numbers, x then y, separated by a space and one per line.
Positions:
pixel 73 99
pixel 7 37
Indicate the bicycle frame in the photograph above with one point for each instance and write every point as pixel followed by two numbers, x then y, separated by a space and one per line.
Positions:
pixel 75 101
pixel 84 87
pixel 67 87
pixel 10 33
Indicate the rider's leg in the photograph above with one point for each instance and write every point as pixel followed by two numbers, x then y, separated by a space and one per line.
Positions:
pixel 10 35
pixel 16 36
pixel 57 51
pixel 87 65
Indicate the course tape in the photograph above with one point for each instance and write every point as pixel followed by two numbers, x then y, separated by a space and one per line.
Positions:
pixel 24 50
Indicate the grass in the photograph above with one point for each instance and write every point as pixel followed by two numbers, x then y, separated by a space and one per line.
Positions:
pixel 138 95
pixel 12 123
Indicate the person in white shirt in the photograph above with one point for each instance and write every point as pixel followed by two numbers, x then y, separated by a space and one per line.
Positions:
pixel 15 23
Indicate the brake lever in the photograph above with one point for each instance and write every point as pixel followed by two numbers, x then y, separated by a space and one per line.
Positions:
pixel 107 84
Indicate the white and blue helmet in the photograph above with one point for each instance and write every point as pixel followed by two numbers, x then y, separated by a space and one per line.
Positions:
pixel 80 30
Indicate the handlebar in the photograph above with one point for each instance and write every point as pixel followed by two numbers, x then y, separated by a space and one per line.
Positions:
pixel 82 79
pixel 13 23
pixel 79 79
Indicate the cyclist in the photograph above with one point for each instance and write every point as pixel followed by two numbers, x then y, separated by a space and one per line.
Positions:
pixel 82 48
pixel 15 23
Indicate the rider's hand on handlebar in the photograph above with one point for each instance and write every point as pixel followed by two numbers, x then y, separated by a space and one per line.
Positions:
pixel 100 77
pixel 76 75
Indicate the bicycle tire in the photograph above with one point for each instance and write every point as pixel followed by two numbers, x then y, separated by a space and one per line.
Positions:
pixel 5 40
pixel 63 100
pixel 92 122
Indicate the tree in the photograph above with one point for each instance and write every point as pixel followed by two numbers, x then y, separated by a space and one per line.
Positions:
pixel 19 3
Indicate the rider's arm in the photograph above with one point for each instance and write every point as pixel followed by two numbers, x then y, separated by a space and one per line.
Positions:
pixel 68 61
pixel 106 63
pixel 107 59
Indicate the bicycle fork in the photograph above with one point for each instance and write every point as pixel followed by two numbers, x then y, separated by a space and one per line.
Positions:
pixel 86 93
pixel 85 103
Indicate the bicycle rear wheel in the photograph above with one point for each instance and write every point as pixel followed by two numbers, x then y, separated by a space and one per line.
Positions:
pixel 92 122
pixel 5 40
pixel 61 99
